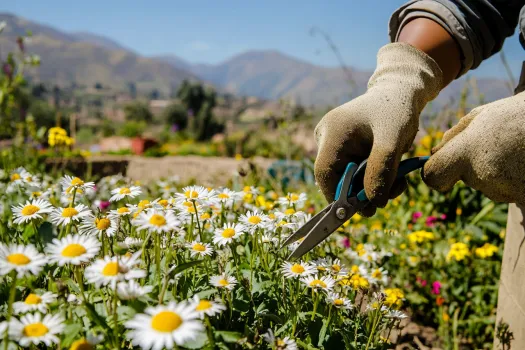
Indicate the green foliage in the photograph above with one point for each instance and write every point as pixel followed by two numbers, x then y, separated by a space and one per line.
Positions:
pixel 138 111
pixel 176 114
pixel 44 113
pixel 85 135
pixel 133 128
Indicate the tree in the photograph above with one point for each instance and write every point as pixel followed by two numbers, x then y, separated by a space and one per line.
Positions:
pixel 176 114
pixel 138 111
pixel 43 113
pixel 132 89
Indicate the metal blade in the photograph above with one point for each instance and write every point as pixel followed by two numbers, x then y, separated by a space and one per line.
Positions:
pixel 307 227
pixel 324 228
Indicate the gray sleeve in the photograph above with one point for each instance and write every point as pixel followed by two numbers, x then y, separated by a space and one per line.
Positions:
pixel 479 26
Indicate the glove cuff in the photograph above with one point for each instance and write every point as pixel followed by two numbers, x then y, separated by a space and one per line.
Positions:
pixel 404 67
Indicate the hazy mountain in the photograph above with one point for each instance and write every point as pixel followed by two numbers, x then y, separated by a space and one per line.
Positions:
pixel 88 59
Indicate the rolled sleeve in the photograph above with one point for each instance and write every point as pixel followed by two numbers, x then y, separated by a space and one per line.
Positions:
pixel 479 27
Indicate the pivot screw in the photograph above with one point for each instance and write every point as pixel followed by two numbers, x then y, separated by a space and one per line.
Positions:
pixel 340 213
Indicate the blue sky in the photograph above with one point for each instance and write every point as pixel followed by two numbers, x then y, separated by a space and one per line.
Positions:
pixel 213 31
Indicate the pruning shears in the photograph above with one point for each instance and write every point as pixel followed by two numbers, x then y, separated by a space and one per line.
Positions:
pixel 350 197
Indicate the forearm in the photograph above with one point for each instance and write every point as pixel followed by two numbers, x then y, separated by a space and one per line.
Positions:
pixel 429 37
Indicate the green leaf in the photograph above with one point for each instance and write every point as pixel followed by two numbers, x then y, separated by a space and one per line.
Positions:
pixel 96 317
pixel 197 343
pixel 185 266
pixel 241 305
pixel 71 332
pixel 229 337
pixel 322 332
pixel 205 294
pixel 45 231
pixel 125 312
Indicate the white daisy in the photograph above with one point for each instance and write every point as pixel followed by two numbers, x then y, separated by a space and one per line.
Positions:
pixel 65 216
pixel 325 283
pixel 268 238
pixel 36 193
pixel 400 315
pixel 33 329
pixel 339 301
pixel 228 233
pixel 207 307
pixel 293 199
pixel 88 343
pixel 110 270
pixel 163 326
pixel 34 302
pixel 70 183
pixel 227 197
pixel 25 260
pixel 296 270
pixel 120 212
pixel 157 221
pixel 223 281
pixel 132 290
pixel 199 249
pixel 92 225
pixel 378 275
pixel 254 220
pixel 21 176
pixel 131 242
pixel 193 194
pixel 337 268
pixel 123 192
pixel 31 210
pixel 281 344
pixel 73 249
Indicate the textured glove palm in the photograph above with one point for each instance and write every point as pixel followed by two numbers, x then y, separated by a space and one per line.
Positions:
pixel 381 124
pixel 486 150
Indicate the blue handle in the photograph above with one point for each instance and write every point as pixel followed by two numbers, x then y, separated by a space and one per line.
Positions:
pixel 406 166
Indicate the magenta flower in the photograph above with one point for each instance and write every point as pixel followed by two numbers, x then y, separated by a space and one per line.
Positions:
pixel 416 216
pixel 346 242
pixel 430 221
pixel 104 205
pixel 436 287
pixel 421 281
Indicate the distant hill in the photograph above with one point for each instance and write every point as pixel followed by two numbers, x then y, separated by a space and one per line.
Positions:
pixel 88 59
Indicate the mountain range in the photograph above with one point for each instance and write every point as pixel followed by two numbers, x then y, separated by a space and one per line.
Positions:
pixel 86 58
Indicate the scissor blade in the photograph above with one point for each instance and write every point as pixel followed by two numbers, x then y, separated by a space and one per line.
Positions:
pixel 307 227
pixel 324 228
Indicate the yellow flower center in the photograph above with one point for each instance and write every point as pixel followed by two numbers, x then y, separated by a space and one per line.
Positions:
pixel 69 212
pixel 289 211
pixel 254 220
pixel 336 267
pixel 163 202
pixel 191 194
pixel 35 330
pixel 228 233
pixel 157 220
pixel 203 305
pixel 77 182
pixel 199 247
pixel 124 190
pixel 33 299
pixel 166 321
pixel 187 204
pixel 102 223
pixel 224 196
pixel 123 210
pixel 205 216
pixel 294 197
pixel 338 302
pixel 377 273
pixel 143 203
pixel 111 269
pixel 30 210
pixel 81 344
pixel 280 343
pixel 18 259
pixel 15 177
pixel 297 268
pixel 318 283
pixel 73 250
pixel 223 282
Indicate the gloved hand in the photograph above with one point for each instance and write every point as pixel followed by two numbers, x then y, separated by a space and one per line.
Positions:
pixel 381 124
pixel 486 150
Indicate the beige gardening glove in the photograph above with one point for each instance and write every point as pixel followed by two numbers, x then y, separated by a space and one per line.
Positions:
pixel 381 124
pixel 486 150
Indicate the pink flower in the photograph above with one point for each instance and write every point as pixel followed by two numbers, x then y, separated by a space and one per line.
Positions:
pixel 346 242
pixel 421 281
pixel 430 221
pixel 436 287
pixel 104 205
pixel 443 216
pixel 416 216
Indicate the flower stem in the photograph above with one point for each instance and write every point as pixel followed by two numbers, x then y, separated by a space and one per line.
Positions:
pixel 316 302
pixel 115 318
pixel 198 222
pixel 209 331
pixel 12 293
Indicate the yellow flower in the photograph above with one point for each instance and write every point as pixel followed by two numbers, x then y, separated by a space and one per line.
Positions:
pixel 420 236
pixel 355 282
pixel 445 316
pixel 487 250
pixel 459 211
pixel 426 141
pixel 402 246
pixel 394 297
pixel 458 251
pixel 502 234
pixel 238 156
pixel 376 226
pixel 356 218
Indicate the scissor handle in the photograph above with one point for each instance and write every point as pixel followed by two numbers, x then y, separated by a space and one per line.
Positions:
pixel 406 166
